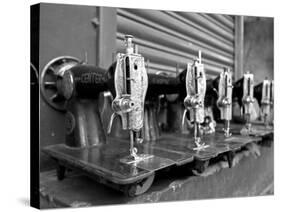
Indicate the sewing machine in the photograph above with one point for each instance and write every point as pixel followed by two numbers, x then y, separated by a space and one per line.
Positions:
pixel 263 94
pixel 224 101
pixel 194 100
pixel 244 92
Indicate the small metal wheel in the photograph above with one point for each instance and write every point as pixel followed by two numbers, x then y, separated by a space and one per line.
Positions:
pixel 200 166
pixel 267 140
pixel 61 172
pixel 50 78
pixel 266 143
pixel 230 156
pixel 140 187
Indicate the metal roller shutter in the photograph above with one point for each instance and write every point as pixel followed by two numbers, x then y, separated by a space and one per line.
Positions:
pixel 171 39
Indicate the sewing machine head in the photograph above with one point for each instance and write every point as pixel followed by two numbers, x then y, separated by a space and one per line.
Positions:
pixel 248 100
pixel 224 101
pixel 131 82
pixel 263 94
pixel 195 94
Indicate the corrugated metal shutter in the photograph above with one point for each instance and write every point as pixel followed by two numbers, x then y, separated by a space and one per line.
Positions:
pixel 170 39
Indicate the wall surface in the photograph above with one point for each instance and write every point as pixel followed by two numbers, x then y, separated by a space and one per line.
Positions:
pixel 64 30
pixel 258 47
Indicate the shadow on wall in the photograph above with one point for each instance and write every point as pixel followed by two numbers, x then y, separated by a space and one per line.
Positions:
pixel 258 47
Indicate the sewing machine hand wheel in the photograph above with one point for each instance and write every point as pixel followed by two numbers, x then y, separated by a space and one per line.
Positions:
pixel 50 81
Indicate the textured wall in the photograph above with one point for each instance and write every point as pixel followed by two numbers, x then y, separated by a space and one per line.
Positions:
pixel 258 47
pixel 64 30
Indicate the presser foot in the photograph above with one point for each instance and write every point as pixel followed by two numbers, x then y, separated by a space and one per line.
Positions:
pixel 200 145
pixel 134 157
pixel 227 133
pixel 248 130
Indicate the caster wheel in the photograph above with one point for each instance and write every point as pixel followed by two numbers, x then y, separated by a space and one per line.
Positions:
pixel 200 166
pixel 267 141
pixel 230 156
pixel 61 172
pixel 140 187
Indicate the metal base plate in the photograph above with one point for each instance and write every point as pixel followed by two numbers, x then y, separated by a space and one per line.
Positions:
pixel 110 163
pixel 215 144
pixel 262 130
pixel 136 159
pixel 184 144
pixel 233 142
pixel 105 161
pixel 259 130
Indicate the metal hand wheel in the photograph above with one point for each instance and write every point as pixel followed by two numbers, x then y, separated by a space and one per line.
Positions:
pixel 50 80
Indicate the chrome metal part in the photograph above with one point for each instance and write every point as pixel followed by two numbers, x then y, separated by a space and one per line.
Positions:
pixel 194 101
pixel 248 100
pixel 224 101
pixel 131 82
pixel 265 101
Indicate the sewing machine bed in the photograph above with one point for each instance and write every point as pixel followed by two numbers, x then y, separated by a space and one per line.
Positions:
pixel 185 144
pixel 260 130
pixel 104 160
pixel 217 144
pixel 103 163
